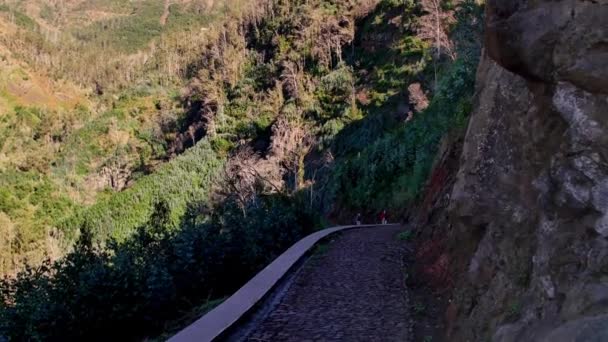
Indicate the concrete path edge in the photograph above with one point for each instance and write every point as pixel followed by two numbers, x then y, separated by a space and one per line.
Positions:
pixel 232 310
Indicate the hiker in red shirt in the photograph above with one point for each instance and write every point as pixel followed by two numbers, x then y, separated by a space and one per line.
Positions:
pixel 383 217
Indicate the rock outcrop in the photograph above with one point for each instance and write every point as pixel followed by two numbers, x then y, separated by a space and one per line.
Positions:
pixel 526 222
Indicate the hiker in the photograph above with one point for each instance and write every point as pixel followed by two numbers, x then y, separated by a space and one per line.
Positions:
pixel 358 219
pixel 383 217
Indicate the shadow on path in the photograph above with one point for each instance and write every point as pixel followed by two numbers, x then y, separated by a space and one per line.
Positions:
pixel 353 290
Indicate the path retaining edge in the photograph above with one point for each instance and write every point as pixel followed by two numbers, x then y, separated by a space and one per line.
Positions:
pixel 219 320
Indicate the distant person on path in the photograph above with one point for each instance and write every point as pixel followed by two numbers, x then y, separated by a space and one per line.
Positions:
pixel 358 219
pixel 383 217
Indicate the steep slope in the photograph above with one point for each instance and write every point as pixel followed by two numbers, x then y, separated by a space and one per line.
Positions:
pixel 522 233
pixel 89 102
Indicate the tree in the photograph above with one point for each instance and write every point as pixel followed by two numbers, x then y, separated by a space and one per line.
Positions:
pixel 291 142
pixel 432 26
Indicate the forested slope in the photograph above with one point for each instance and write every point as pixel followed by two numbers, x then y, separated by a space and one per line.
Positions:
pixel 89 103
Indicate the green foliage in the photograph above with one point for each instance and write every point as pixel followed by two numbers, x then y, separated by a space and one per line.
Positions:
pixel 387 168
pixel 34 201
pixel 393 169
pixel 187 179
pixel 335 94
pixel 57 151
pixel 385 70
pixel 130 290
pixel 221 146
pixel 128 34
pixel 259 75
pixel 405 236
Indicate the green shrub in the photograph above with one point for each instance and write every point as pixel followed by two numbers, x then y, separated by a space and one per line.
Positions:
pixel 129 34
pixel 335 93
pixel 187 179
pixel 221 146
pixel 393 169
pixel 385 164
pixel 129 291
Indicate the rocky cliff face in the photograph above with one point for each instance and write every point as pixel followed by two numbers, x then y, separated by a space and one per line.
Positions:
pixel 525 223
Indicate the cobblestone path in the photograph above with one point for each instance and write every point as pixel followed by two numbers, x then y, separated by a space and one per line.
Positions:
pixel 354 291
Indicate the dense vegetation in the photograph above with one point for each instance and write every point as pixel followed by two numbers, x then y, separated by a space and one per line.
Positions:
pixel 187 179
pixel 289 115
pixel 89 104
pixel 381 161
pixel 133 288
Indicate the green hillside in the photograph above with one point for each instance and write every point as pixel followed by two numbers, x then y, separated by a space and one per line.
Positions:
pixel 89 103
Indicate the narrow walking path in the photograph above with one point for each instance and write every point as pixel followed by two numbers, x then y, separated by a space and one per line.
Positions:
pixel 352 291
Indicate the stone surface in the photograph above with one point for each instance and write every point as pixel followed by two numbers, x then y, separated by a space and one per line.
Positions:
pixel 353 292
pixel 588 329
pixel 220 319
pixel 585 299
pixel 551 40
pixel 527 224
